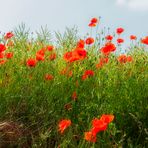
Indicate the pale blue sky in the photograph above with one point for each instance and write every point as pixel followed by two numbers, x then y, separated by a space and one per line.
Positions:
pixel 57 14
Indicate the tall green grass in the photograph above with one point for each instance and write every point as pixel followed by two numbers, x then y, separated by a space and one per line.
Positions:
pixel 35 105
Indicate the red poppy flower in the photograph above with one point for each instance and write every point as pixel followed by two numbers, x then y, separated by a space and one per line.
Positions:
pixel 94 20
pixel 74 58
pixel 133 37
pixel 122 58
pixel 68 56
pixel 89 73
pixel 107 118
pixel 105 50
pixel 1 55
pixel 84 77
pixel 109 37
pixel 104 60
pixel 41 51
pixel 91 24
pixel 50 47
pixel 119 40
pixel 63 124
pixel 48 77
pixel 81 44
pixel 79 53
pixel 9 55
pixel 145 40
pixel 31 62
pixel 2 48
pixel 89 41
pixel 8 35
pixel 109 47
pixel 119 30
pixel 40 57
pixel 52 56
pixel 2 62
pixel 129 58
pixel 90 137
pixel 98 125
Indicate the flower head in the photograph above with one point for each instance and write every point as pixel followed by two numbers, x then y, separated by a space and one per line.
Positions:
pixel 93 22
pixel 119 30
pixel 52 56
pixel 41 51
pixel 40 57
pixel 81 44
pixel 89 41
pixel 145 40
pixel 68 56
pixel 8 35
pixel 2 62
pixel 88 136
pixel 82 53
pixel 9 55
pixel 31 62
pixel 98 125
pixel 109 37
pixel 133 37
pixel 108 48
pixel 2 47
pixel 87 73
pixel 107 118
pixel 63 124
pixel 1 55
pixel 119 40
pixel 129 58
pixel 50 47
pixel 122 58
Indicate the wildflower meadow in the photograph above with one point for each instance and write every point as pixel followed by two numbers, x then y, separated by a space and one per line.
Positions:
pixel 73 92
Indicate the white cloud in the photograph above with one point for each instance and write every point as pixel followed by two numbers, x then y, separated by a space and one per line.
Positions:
pixel 138 5
pixel 121 2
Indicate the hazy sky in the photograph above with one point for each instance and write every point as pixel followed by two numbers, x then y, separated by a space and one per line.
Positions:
pixel 57 14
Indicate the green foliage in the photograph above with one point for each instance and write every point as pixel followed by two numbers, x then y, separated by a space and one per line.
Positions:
pixel 38 105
